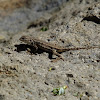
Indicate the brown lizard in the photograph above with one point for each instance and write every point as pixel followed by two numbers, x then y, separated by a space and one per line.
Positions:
pixel 53 48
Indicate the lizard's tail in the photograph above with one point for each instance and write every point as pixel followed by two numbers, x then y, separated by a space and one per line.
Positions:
pixel 78 48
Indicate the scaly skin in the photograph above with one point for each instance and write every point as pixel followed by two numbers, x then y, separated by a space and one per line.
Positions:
pixel 55 49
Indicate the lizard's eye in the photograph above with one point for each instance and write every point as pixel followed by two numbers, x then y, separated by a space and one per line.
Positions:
pixel 22 38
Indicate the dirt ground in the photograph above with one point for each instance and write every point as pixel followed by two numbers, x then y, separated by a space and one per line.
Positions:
pixel 25 75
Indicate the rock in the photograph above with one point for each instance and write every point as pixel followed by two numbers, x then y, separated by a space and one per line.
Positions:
pixel 25 75
pixel 16 15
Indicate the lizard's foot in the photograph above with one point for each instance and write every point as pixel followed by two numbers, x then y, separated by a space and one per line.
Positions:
pixel 58 58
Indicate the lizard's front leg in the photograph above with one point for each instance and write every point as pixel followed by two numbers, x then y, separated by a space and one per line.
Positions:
pixel 36 48
pixel 57 54
pixel 33 49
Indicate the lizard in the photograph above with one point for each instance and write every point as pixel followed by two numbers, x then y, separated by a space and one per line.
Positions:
pixel 50 47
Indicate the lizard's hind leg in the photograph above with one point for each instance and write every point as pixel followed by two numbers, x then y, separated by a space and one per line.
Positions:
pixel 57 54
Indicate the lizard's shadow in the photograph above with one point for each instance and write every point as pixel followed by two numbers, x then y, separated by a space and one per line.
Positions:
pixel 32 50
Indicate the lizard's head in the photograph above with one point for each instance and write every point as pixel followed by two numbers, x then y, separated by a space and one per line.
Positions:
pixel 25 39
